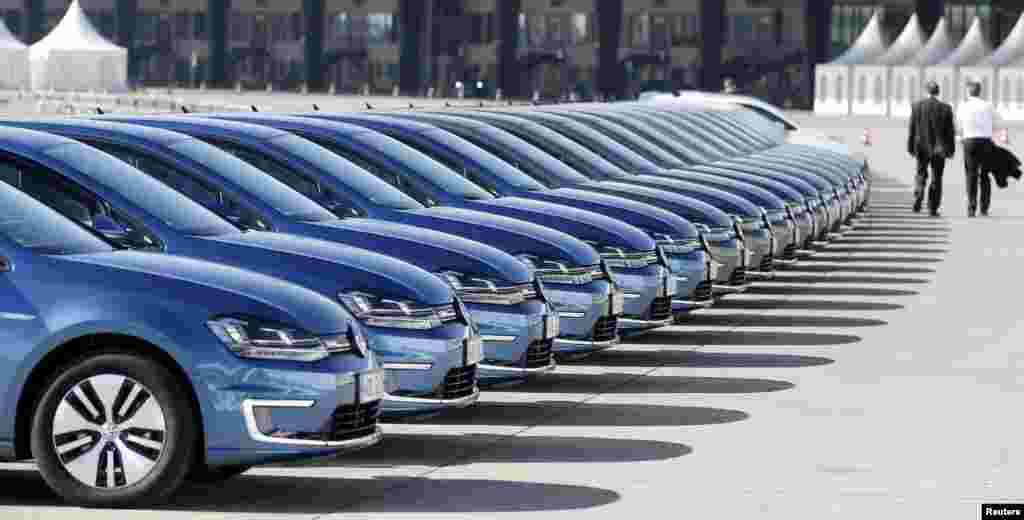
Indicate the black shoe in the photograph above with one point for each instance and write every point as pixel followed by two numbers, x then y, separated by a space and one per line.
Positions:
pixel 917 207
pixel 984 213
pixel 970 213
pixel 933 213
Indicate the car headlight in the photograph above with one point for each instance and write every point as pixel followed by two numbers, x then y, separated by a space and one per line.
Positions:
pixel 250 337
pixel 556 271
pixel 375 311
pixel 480 289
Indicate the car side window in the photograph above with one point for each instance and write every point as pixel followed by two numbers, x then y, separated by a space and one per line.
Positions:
pixel 383 172
pixel 193 187
pixel 79 204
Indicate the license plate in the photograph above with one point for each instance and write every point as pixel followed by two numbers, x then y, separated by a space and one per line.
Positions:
pixel 670 285
pixel 371 386
pixel 618 302
pixel 713 270
pixel 551 325
pixel 474 349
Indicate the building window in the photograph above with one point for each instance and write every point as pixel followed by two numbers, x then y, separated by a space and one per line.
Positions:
pixel 381 28
pixel 581 29
pixel 181 28
pixel 640 30
pixel 199 26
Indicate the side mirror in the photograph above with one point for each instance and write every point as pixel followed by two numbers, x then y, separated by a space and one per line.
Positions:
pixel 109 227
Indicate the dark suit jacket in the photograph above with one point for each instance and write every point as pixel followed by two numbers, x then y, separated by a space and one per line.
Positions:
pixel 931 129
pixel 1001 164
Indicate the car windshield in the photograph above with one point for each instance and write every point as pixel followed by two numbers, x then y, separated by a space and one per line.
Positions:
pixel 583 161
pixel 253 181
pixel 651 142
pixel 632 141
pixel 355 178
pixel 424 167
pixel 32 225
pixel 683 141
pixel 548 166
pixel 151 195
pixel 608 148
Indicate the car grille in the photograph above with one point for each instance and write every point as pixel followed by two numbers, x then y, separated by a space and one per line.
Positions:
pixel 606 328
pixel 538 354
pixel 703 291
pixel 354 421
pixel 739 276
pixel 661 308
pixel 459 382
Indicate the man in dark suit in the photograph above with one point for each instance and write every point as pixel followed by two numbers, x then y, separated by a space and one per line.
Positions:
pixel 932 140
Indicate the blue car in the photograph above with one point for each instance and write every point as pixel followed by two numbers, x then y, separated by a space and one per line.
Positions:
pixel 639 268
pixel 501 293
pixel 646 134
pixel 727 129
pixel 575 280
pixel 721 232
pixel 582 162
pixel 529 172
pixel 411 316
pixel 671 156
pixel 128 372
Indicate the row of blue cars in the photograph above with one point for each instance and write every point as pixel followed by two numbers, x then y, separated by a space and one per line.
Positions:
pixel 186 296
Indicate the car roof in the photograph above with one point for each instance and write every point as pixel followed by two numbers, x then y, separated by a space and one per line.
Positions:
pixel 13 138
pixel 110 128
pixel 222 126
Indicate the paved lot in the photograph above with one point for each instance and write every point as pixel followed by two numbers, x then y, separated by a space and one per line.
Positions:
pixel 882 378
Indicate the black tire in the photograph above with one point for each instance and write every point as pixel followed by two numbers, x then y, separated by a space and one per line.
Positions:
pixel 149 483
pixel 213 474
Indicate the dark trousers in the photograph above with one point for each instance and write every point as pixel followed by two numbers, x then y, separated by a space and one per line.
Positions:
pixel 975 151
pixel 938 165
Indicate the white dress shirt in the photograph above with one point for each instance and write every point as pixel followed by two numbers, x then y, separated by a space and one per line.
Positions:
pixel 975 117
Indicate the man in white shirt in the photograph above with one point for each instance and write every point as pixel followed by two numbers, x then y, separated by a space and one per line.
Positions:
pixel 975 119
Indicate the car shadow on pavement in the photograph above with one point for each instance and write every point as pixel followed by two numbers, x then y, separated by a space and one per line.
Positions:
pixel 744 337
pixel 780 304
pixel 619 383
pixel 799 278
pixel 822 267
pixel 264 494
pixel 895 242
pixel 893 250
pixel 401 449
pixel 577 414
pixel 824 258
pixel 810 290
pixel 676 358
pixel 761 320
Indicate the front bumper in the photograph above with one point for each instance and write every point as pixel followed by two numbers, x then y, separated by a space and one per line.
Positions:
pixel 514 340
pixel 734 258
pixel 420 365
pixel 588 322
pixel 648 295
pixel 693 274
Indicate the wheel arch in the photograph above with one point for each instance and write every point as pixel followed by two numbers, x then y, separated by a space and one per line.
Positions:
pixel 92 344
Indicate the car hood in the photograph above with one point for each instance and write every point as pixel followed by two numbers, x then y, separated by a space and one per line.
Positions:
pixel 424 247
pixel 327 267
pixel 757 195
pixel 508 234
pixel 647 217
pixel 784 190
pixel 723 200
pixel 756 168
pixel 818 166
pixel 222 288
pixel 585 225
pixel 649 189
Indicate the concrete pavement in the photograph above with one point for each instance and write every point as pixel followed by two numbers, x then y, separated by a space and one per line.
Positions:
pixel 881 378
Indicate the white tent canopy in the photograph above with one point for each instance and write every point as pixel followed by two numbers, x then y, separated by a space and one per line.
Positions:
pixel 75 56
pixel 972 49
pixel 990 71
pixel 13 60
pixel 939 46
pixel 834 79
pixel 874 100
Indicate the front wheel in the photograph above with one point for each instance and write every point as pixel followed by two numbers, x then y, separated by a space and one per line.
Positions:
pixel 114 430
